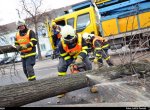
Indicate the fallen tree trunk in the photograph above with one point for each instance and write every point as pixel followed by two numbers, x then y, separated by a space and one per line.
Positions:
pixel 7 49
pixel 28 92
pixel 24 93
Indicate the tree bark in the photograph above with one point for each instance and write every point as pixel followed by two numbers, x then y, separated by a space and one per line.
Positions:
pixel 27 92
pixel 7 49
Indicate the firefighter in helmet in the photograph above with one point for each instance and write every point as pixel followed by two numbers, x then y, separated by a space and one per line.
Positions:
pixel 25 42
pixel 100 46
pixel 56 33
pixel 56 29
pixel 73 48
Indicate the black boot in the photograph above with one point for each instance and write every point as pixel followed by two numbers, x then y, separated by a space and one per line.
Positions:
pixel 109 62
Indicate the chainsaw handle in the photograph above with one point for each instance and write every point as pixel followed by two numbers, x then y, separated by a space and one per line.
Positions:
pixel 75 68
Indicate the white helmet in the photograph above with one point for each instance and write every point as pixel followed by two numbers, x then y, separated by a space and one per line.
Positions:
pixel 68 34
pixel 87 36
pixel 20 22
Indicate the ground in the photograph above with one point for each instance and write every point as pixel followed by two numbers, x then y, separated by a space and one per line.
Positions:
pixel 48 68
pixel 84 96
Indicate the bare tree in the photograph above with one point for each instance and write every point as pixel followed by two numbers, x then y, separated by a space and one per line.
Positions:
pixel 32 8
pixel 3 30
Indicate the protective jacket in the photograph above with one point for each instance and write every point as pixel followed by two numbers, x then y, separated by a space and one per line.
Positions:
pixel 24 41
pixel 56 32
pixel 103 44
pixel 26 37
pixel 79 49
pixel 68 53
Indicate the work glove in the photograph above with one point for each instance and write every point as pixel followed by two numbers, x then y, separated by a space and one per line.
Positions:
pixel 18 47
pixel 23 47
pixel 78 60
pixel 95 60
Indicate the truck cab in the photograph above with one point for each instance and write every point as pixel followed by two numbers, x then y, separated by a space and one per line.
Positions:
pixel 82 21
pixel 124 23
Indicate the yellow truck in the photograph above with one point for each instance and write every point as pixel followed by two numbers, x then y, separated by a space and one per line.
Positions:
pixel 125 23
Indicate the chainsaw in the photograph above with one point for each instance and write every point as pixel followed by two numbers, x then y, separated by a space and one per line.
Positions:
pixel 75 68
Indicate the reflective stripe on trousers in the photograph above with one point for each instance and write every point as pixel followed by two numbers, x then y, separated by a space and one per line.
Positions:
pixel 28 64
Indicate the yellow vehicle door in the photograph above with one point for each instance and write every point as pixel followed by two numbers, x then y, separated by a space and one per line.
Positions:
pixel 82 21
pixel 86 21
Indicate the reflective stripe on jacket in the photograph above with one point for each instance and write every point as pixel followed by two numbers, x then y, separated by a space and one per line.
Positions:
pixel 56 31
pixel 23 40
pixel 103 42
pixel 28 55
pixel 74 51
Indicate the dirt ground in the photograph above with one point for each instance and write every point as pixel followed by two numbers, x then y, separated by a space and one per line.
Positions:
pixel 130 57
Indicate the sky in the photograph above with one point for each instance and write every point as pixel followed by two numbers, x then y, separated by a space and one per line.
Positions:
pixel 9 14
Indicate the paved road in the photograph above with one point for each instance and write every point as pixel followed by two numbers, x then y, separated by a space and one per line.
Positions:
pixel 13 73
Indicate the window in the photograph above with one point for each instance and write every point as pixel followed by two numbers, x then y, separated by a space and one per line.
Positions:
pixel 39 33
pixel 82 22
pixel 3 41
pixel 71 22
pixel 12 39
pixel 61 23
pixel 43 47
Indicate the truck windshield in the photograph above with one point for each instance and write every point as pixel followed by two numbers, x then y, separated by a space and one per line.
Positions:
pixel 82 22
pixel 60 23
pixel 70 22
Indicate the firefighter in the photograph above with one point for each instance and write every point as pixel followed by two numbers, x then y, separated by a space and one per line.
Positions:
pixel 72 48
pixel 25 42
pixel 100 46
pixel 56 33
pixel 56 36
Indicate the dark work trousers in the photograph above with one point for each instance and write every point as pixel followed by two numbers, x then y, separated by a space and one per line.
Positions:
pixel 55 40
pixel 104 55
pixel 63 64
pixel 57 49
pixel 27 64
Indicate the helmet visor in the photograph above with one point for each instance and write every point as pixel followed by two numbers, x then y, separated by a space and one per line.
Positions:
pixel 88 40
pixel 70 39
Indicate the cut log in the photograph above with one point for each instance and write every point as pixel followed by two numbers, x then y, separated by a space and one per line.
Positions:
pixel 27 92
pixel 7 49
